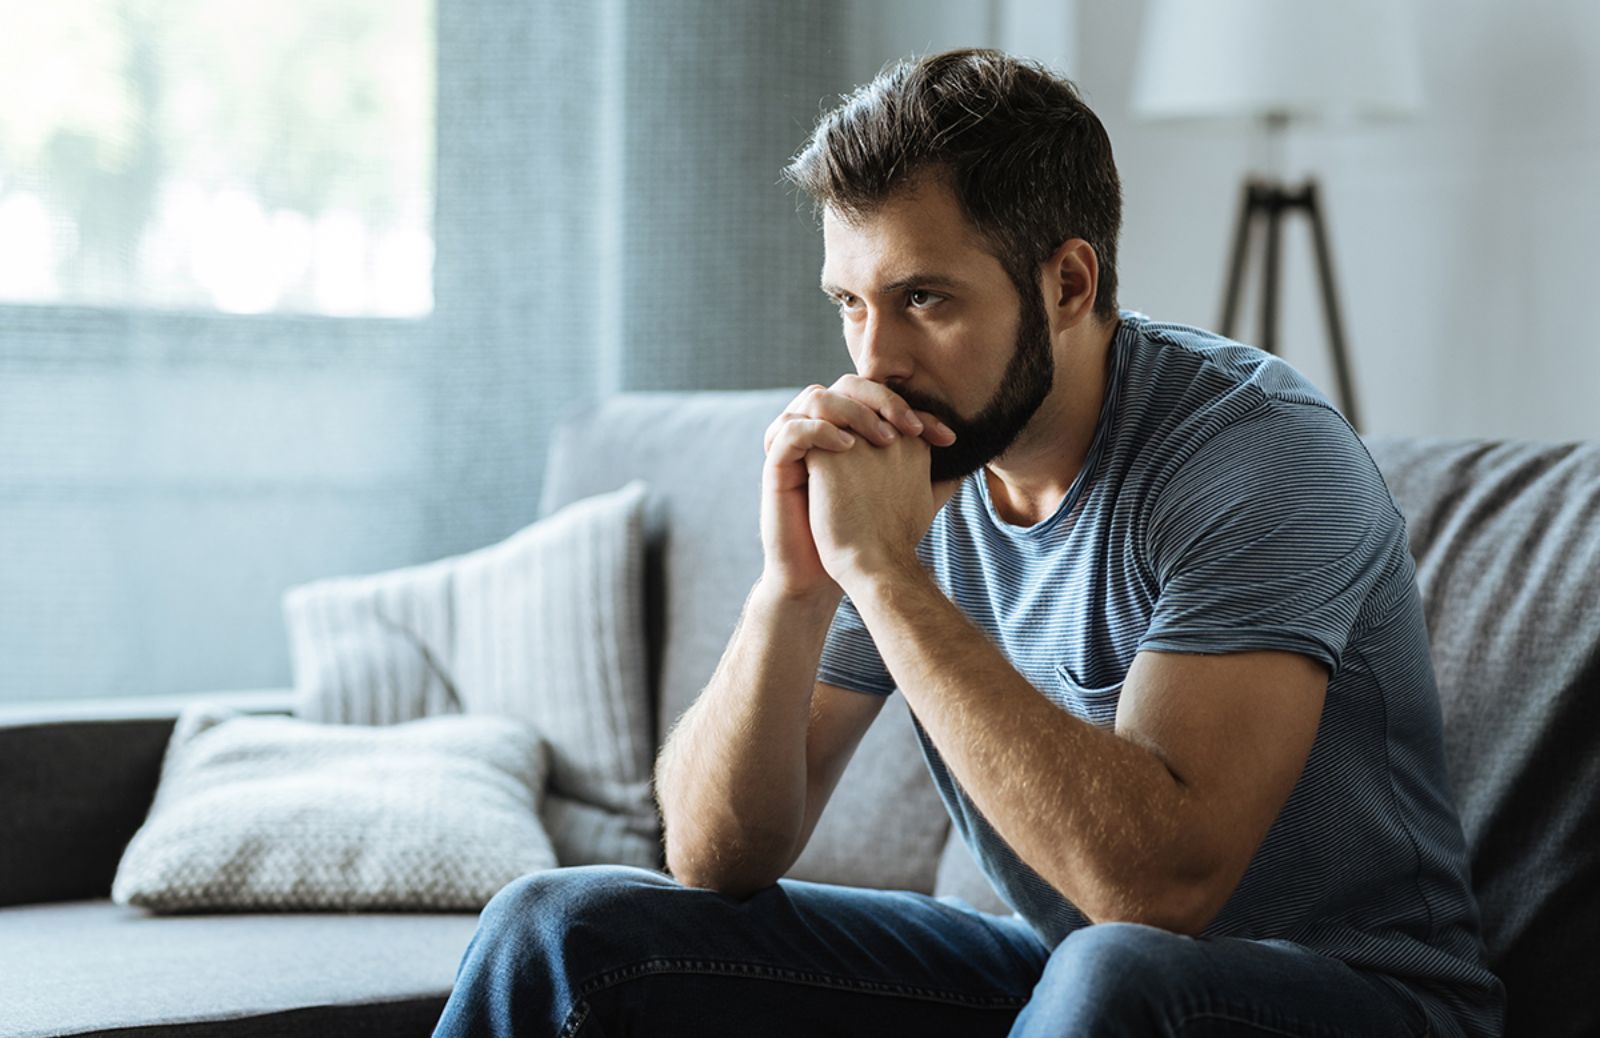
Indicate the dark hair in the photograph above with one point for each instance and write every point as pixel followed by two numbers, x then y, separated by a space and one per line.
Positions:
pixel 1029 162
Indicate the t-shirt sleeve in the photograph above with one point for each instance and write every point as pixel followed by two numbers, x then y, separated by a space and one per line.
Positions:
pixel 1271 535
pixel 849 657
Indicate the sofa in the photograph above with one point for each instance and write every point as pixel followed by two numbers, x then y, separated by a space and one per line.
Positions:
pixel 1507 540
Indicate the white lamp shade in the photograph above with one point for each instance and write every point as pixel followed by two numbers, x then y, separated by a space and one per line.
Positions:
pixel 1293 58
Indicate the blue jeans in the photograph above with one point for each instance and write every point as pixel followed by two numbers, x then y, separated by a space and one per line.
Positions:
pixel 610 950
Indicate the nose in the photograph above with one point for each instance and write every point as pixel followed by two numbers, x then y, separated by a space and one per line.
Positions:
pixel 882 353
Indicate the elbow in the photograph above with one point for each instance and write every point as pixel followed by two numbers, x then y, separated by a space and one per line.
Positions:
pixel 737 888
pixel 1181 921
pixel 1173 919
pixel 691 869
pixel 1184 907
pixel 734 891
pixel 721 873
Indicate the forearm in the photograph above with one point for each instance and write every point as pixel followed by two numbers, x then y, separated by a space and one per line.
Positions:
pixel 731 777
pixel 1101 818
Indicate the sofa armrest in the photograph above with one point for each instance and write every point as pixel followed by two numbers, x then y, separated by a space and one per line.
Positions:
pixel 76 781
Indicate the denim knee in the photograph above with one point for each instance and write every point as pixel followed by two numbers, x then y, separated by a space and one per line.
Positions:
pixel 557 903
pixel 538 938
pixel 1130 981
pixel 1111 951
pixel 1105 979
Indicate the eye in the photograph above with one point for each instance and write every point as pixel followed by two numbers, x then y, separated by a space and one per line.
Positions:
pixel 922 299
pixel 846 301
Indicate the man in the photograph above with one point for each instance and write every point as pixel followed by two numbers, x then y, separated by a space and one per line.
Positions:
pixel 1150 604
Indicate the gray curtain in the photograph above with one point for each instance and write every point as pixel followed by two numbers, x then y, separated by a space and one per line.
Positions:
pixel 609 216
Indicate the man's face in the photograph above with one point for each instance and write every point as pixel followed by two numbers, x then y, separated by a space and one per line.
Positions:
pixel 929 312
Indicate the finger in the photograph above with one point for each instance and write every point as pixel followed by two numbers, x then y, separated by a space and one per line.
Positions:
pixel 847 412
pixel 800 435
pixel 880 398
pixel 795 408
pixel 792 408
pixel 935 431
pixel 773 428
pixel 807 422
pixel 808 405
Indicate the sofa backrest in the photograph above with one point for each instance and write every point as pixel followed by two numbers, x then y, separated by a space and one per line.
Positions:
pixel 701 454
pixel 1507 541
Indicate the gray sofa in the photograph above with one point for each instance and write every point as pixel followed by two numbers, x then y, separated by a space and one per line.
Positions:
pixel 1508 541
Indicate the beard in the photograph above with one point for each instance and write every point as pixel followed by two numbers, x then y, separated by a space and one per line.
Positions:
pixel 1023 387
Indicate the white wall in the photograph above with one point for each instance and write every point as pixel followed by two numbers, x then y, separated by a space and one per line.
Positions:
pixel 882 30
pixel 1465 241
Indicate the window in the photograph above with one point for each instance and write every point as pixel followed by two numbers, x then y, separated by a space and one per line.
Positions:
pixel 218 155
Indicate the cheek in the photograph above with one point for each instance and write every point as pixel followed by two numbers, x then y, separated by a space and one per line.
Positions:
pixel 976 362
pixel 851 330
pixel 972 353
pixel 853 350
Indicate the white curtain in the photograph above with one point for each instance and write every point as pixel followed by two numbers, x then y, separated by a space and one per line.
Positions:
pixel 609 216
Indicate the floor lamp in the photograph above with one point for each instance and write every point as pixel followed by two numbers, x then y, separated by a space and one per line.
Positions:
pixel 1266 203
pixel 1277 62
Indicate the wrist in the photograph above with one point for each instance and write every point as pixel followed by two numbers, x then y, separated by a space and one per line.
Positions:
pixel 803 604
pixel 866 574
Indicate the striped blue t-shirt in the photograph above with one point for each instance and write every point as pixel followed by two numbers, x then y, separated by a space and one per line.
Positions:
pixel 1225 506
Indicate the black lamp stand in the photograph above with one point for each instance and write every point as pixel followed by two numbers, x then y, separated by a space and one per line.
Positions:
pixel 1268 202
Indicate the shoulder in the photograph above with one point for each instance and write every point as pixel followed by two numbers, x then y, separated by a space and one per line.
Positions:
pixel 1280 450
pixel 1182 383
pixel 1194 403
pixel 1288 487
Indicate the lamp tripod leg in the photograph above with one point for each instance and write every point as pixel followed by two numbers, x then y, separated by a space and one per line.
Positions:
pixel 1269 275
pixel 1330 309
pixel 1236 260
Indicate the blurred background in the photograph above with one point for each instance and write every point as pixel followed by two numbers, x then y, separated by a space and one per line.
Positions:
pixel 297 290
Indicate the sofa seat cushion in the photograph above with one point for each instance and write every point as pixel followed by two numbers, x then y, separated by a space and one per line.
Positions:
pixel 79 967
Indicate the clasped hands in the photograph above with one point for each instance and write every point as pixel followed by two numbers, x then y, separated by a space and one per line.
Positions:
pixel 848 492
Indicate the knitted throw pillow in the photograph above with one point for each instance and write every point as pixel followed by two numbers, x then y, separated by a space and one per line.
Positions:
pixel 262 813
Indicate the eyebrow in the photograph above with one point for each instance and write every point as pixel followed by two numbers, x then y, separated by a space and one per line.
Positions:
pixel 901 283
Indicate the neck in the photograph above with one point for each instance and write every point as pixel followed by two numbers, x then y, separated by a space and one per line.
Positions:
pixel 1029 481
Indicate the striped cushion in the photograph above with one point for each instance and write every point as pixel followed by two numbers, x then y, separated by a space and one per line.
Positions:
pixel 546 626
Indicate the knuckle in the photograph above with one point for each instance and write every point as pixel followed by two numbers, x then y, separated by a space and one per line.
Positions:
pixel 813 401
pixel 784 434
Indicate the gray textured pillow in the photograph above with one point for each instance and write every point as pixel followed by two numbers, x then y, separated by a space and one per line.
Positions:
pixel 546 626
pixel 262 813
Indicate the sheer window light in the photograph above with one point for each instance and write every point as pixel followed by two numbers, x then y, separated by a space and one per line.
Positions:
pixel 218 155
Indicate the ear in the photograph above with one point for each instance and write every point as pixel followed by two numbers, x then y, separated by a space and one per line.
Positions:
pixel 1071 279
